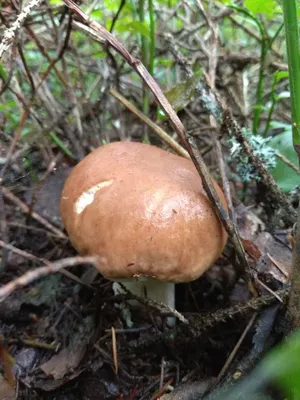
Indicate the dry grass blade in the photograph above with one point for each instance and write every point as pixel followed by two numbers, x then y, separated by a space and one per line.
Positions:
pixel 236 348
pixel 156 129
pixel 114 349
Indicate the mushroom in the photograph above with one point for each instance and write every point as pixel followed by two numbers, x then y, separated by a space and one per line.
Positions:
pixel 143 211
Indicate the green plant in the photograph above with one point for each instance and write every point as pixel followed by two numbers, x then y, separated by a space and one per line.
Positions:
pixel 277 76
pixel 281 368
pixel 265 46
pixel 292 42
pixel 282 143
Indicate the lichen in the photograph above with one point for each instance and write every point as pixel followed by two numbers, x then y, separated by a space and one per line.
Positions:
pixel 260 145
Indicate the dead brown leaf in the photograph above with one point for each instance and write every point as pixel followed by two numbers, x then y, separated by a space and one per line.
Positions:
pixel 272 256
pixel 6 391
pixel 63 363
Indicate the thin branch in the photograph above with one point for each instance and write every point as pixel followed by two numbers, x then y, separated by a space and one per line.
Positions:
pixel 34 258
pixel 10 34
pixel 10 196
pixel 288 162
pixel 236 347
pixel 280 200
pixel 38 273
pixel 156 129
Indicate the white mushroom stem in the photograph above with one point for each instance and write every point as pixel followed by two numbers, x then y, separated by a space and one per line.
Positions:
pixel 161 292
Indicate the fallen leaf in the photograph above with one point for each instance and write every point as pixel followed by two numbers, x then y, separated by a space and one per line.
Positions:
pixel 251 249
pixel 272 256
pixel 64 362
pixel 8 362
pixel 6 391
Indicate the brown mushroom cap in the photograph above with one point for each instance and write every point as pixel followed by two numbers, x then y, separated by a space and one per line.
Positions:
pixel 144 212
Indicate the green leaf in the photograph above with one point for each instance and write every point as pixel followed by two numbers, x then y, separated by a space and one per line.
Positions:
pixel 55 2
pixel 164 62
pixel 286 178
pixel 111 5
pixel 281 366
pixel 9 104
pixel 100 54
pixel 3 73
pixel 280 75
pixel 55 139
pixel 97 15
pixel 161 116
pixel 226 2
pixel 181 95
pixel 266 7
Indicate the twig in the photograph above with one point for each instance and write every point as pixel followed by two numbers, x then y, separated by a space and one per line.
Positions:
pixel 279 199
pixel 26 69
pixel 9 156
pixel 288 162
pixel 59 55
pixel 27 107
pixel 32 257
pixel 10 196
pixel 162 372
pixel 3 230
pixel 9 34
pixel 213 54
pixel 20 252
pixel 249 31
pixel 114 349
pixel 204 322
pixel 233 232
pixel 45 53
pixel 38 273
pixel 280 267
pixel 269 290
pixel 122 4
pixel 130 330
pixel 32 228
pixel 14 142
pixel 32 343
pixel 236 347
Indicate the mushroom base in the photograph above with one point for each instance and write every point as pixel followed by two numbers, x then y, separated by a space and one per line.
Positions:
pixel 161 292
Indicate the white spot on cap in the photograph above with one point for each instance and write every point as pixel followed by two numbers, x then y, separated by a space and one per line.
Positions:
pixel 87 197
